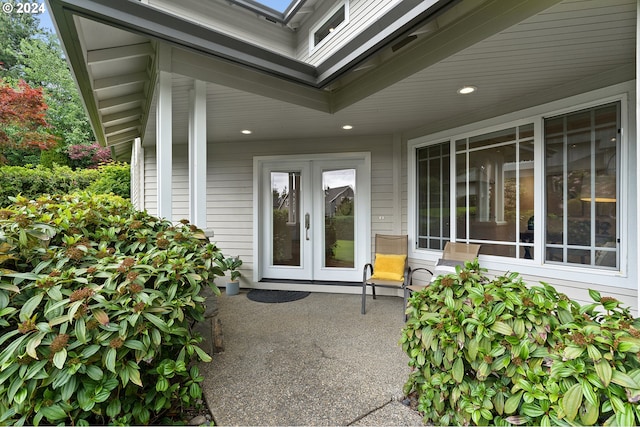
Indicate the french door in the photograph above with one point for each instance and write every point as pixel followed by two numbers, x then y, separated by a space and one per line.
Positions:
pixel 314 218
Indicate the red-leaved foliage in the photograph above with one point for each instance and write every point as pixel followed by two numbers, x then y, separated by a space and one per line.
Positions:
pixel 22 118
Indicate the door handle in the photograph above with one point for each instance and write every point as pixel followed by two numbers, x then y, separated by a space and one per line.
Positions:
pixel 307 224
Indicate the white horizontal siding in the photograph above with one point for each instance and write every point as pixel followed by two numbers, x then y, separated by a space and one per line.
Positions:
pixel 179 181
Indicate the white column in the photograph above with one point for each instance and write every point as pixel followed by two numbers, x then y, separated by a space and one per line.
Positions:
pixel 198 154
pixel 137 175
pixel 397 186
pixel 635 139
pixel 164 146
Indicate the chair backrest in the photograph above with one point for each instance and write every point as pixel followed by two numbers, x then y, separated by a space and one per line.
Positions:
pixel 457 251
pixel 392 244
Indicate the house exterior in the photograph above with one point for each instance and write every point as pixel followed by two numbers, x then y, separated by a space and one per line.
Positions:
pixel 239 117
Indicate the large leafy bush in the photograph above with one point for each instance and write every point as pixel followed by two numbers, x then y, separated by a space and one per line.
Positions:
pixel 96 307
pixel 499 352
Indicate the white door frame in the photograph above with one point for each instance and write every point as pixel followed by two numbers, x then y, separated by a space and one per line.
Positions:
pixel 361 161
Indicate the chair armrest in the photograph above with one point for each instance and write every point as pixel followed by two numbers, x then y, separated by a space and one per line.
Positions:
pixel 407 276
pixel 364 271
pixel 418 269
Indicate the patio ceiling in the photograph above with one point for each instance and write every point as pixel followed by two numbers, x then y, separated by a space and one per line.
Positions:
pixel 514 60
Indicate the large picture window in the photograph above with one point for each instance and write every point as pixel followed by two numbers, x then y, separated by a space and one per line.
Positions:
pixel 581 179
pixel 481 188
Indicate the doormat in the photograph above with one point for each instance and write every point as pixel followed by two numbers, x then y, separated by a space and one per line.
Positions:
pixel 268 295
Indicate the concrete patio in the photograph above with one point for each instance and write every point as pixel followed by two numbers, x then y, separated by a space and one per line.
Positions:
pixel 315 361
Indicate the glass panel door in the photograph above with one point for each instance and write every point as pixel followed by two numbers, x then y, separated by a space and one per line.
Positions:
pixel 314 219
pixel 285 240
pixel 340 214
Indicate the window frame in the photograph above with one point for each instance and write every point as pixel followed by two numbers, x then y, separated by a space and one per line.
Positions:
pixel 313 46
pixel 536 115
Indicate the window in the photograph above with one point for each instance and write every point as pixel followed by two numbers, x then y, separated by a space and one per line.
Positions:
pixel 433 169
pixel 335 21
pixel 480 188
pixel 494 191
pixel 581 180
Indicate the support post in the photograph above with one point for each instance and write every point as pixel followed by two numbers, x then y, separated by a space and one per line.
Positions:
pixel 198 154
pixel 635 139
pixel 164 143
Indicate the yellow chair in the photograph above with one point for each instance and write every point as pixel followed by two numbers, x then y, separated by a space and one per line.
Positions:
pixel 390 268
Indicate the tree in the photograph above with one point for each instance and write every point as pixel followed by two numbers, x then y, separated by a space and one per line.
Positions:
pixel 23 126
pixel 44 65
pixel 35 56
pixel 14 27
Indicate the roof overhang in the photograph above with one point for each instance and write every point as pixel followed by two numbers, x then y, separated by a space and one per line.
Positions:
pixel 112 45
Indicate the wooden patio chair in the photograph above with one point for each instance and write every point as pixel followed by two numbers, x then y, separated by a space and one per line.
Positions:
pixel 390 268
pixel 454 254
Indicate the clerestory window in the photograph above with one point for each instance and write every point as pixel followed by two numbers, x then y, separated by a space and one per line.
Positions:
pixel 336 20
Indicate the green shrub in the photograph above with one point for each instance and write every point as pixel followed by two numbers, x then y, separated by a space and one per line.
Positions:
pixel 33 182
pixel 96 307
pixel 498 352
pixel 113 178
pixel 53 156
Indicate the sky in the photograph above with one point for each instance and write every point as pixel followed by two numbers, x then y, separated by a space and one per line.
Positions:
pixel 45 19
pixel 279 5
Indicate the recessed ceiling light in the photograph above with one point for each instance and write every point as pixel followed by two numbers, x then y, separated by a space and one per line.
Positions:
pixel 465 90
pixel 246 132
pixel 347 127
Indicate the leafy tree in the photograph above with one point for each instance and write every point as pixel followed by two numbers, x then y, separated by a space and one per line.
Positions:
pixel 44 65
pixel 23 126
pixel 14 28
pixel 35 56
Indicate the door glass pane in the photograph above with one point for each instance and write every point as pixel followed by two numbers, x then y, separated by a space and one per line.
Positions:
pixel 339 209
pixel 285 200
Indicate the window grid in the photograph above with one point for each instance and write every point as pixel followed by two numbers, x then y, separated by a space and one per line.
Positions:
pixel 433 166
pixel 499 231
pixel 587 237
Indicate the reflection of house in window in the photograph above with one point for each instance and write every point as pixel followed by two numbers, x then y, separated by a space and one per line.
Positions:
pixel 290 200
pixel 339 198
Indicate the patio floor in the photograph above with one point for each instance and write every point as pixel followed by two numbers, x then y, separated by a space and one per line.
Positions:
pixel 315 361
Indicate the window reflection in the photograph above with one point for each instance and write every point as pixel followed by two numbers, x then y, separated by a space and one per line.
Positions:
pixel 339 213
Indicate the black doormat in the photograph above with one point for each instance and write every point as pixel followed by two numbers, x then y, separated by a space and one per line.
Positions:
pixel 268 295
